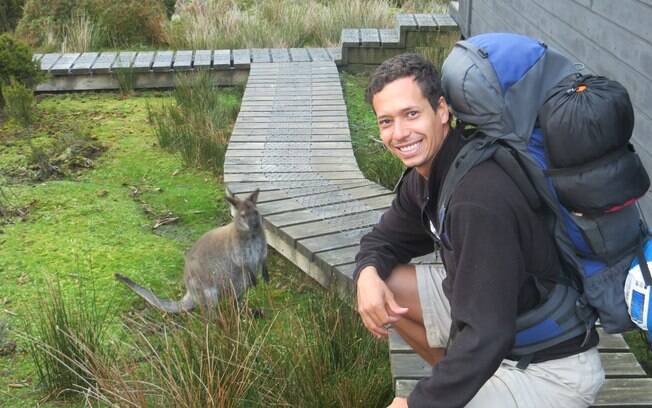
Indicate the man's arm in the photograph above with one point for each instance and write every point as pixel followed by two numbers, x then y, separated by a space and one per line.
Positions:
pixel 398 237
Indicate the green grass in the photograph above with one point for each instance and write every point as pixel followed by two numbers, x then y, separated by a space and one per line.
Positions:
pixel 375 162
pixel 88 225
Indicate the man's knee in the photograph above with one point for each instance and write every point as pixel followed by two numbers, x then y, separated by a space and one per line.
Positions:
pixel 403 282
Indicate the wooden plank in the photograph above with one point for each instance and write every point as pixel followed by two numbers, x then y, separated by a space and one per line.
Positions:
pixel 276 195
pixel 616 365
pixel 163 61
pixel 350 37
pixel 285 146
pixel 611 342
pixel 620 393
pixel 445 22
pixel 280 55
pixel 335 175
pixel 319 54
pixel 331 242
pixel 143 61
pixel 635 392
pixel 351 197
pixel 241 58
pixel 182 60
pixel 260 55
pixel 84 63
pixel 299 55
pixel 329 211
pixel 48 60
pixel 104 62
pixel 404 23
pixel 336 54
pixel 222 59
pixel 268 168
pixel 337 256
pixel 346 270
pixel 64 63
pixel 425 22
pixel 203 59
pixel 124 60
pixel 369 37
pixel 389 38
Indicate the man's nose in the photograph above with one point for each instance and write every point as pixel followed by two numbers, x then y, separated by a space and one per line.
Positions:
pixel 401 131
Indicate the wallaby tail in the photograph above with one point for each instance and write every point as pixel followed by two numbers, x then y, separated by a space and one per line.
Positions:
pixel 184 305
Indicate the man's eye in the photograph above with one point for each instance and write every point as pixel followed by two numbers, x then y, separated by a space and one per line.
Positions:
pixel 383 122
pixel 413 114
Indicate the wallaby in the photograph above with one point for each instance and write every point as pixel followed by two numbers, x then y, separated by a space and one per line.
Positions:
pixel 223 262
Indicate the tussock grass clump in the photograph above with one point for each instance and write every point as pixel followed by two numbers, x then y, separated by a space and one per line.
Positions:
pixel 20 103
pixel 198 124
pixel 66 339
pixel 273 23
pixel 329 359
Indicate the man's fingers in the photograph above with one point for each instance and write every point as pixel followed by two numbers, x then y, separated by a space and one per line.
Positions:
pixel 394 310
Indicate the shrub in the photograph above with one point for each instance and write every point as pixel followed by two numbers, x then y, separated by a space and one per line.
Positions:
pixel 16 62
pixel 198 125
pixel 43 18
pixel 19 103
pixel 131 22
pixel 48 23
pixel 10 12
pixel 66 338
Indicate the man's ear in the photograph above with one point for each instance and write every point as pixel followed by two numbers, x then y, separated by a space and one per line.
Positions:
pixel 442 110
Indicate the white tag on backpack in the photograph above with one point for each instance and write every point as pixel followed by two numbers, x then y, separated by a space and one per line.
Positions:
pixel 637 296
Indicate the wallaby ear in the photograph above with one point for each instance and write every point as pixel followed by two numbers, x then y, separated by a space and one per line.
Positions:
pixel 254 196
pixel 232 200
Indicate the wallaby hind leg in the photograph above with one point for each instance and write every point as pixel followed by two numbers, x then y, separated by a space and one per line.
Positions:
pixel 184 305
pixel 265 273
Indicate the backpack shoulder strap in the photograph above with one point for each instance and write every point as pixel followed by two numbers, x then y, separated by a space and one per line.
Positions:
pixel 478 149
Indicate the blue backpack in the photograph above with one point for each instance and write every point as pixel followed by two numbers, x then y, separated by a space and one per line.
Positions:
pixel 563 137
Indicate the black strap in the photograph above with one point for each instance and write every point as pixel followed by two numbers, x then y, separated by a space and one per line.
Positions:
pixel 524 361
pixel 506 160
pixel 645 270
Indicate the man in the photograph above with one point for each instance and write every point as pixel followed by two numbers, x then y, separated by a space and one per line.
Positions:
pixel 461 320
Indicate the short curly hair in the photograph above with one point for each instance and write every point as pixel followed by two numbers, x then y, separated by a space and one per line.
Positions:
pixel 407 65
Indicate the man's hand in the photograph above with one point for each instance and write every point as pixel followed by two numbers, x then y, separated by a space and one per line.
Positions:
pixel 398 403
pixel 376 303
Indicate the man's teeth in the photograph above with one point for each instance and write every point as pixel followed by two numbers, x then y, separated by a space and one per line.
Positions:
pixel 409 148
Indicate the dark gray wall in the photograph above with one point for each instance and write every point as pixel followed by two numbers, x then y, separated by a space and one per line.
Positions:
pixel 610 37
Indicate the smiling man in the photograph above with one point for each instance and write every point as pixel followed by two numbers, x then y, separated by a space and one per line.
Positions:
pixel 461 319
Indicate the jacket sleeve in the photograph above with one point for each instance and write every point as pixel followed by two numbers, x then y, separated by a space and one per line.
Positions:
pixel 484 303
pixel 399 235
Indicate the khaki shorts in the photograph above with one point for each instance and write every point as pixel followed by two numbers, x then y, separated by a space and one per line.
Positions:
pixel 572 381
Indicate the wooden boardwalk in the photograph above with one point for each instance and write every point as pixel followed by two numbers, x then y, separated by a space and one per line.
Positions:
pixel 291 140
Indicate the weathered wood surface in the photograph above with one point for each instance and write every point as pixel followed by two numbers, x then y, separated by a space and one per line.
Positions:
pixel 124 60
pixel 84 63
pixel 48 60
pixel 182 60
pixel 103 63
pixel 203 59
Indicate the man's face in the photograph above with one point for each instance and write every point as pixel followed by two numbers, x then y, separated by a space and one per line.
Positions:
pixel 409 127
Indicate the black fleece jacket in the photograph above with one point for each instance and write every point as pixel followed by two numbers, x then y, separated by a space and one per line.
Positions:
pixel 495 245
